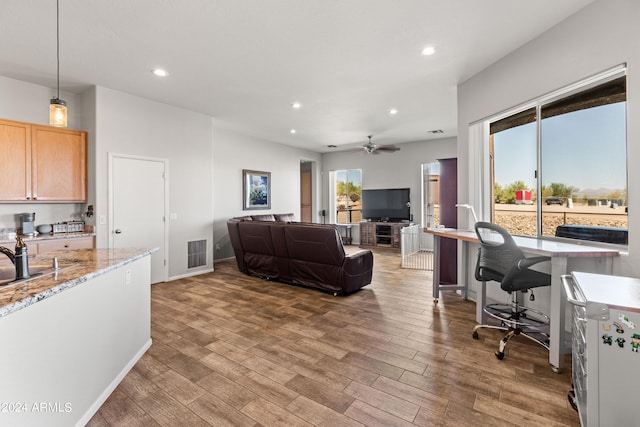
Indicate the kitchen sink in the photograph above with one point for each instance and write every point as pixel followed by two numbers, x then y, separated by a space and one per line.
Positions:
pixel 8 273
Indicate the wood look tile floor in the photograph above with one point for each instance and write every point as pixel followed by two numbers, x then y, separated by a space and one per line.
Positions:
pixel 229 349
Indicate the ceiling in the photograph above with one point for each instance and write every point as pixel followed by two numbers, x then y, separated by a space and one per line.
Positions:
pixel 245 62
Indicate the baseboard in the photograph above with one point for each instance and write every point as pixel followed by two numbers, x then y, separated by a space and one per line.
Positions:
pixel 191 274
pixel 223 259
pixel 112 386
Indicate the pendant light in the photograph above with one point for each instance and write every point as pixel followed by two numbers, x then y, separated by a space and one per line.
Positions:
pixel 57 106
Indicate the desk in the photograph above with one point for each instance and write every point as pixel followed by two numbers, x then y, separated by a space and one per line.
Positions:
pixel 559 252
pixel 346 237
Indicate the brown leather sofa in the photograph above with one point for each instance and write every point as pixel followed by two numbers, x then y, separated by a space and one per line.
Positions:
pixel 275 248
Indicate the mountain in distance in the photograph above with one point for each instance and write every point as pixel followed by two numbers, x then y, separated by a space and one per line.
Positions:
pixel 596 192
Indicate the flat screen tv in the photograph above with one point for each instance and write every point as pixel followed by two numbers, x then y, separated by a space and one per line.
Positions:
pixel 386 205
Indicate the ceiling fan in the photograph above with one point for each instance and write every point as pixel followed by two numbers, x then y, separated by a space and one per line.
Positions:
pixel 371 148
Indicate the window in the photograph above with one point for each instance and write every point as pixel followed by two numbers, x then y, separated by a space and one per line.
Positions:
pixel 430 194
pixel 562 162
pixel 348 196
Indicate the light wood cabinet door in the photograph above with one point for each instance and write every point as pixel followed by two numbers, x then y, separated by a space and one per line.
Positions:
pixel 65 244
pixel 59 164
pixel 15 155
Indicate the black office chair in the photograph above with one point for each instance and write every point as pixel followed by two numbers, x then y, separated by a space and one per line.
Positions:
pixel 501 260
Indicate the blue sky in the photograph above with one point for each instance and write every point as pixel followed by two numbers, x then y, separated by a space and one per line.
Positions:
pixel 584 149
pixel 355 177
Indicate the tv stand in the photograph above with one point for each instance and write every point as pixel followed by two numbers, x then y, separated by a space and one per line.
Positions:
pixel 380 235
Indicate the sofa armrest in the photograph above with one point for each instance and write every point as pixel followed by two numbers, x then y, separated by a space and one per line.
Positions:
pixel 359 265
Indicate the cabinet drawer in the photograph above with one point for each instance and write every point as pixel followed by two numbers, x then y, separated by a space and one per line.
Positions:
pixel 65 244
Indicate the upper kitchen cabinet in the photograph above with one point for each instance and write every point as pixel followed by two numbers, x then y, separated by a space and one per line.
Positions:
pixel 59 164
pixel 43 163
pixel 15 155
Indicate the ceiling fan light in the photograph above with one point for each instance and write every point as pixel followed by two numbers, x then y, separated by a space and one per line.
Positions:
pixel 58 113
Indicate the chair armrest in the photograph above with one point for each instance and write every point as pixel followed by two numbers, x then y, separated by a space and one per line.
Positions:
pixel 526 263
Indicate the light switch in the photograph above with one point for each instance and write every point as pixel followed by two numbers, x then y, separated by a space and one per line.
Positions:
pixel 102 219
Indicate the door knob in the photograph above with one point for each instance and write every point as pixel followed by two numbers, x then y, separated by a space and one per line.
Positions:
pixel 117 231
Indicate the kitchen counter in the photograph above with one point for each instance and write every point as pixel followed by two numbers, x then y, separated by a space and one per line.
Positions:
pixel 68 339
pixel 84 265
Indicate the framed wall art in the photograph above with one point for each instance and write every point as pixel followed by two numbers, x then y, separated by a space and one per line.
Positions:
pixel 256 190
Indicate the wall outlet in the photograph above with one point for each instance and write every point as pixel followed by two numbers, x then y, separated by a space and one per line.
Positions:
pixel 218 247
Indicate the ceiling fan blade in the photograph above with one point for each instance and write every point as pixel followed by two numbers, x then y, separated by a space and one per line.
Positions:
pixel 387 148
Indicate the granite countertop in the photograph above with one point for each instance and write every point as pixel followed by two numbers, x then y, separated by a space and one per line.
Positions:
pixel 85 265
pixel 51 236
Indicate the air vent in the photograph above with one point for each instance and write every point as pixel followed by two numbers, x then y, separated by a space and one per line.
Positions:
pixel 196 253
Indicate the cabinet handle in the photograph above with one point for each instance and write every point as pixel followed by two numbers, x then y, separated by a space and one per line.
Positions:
pixel 570 291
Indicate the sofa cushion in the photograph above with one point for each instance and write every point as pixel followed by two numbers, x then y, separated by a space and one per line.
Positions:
pixel 281 251
pixel 319 244
pixel 285 217
pixel 319 255
pixel 264 217
pixel 259 254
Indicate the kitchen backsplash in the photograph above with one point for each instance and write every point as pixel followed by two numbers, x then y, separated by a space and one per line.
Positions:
pixel 46 213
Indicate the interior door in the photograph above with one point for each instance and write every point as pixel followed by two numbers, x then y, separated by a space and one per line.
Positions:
pixel 138 208
pixel 306 207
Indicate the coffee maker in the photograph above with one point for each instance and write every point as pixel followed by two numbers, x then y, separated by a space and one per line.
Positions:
pixel 26 223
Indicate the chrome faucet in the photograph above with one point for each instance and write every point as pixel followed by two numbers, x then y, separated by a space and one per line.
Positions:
pixel 9 253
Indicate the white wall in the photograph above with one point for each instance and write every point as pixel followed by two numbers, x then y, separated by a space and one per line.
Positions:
pixel 124 124
pixel 234 152
pixel 597 38
pixel 127 124
pixel 27 102
pixel 400 169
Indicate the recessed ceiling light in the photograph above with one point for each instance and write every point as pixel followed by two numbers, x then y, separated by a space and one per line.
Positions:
pixel 393 111
pixel 292 131
pixel 296 105
pixel 160 72
pixel 429 50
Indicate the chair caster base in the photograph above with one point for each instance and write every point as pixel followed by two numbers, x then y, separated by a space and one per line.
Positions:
pixel 571 396
pixel 499 355
pixel 475 335
pixel 556 370
pixel 435 300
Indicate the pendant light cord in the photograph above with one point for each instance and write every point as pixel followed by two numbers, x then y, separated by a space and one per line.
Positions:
pixel 58 44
